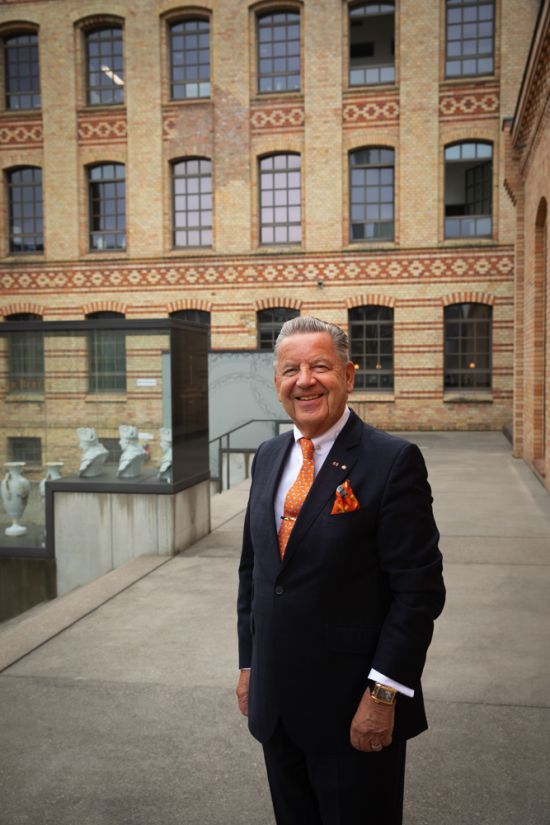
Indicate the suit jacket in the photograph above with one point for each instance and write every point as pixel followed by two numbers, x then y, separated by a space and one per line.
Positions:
pixel 356 590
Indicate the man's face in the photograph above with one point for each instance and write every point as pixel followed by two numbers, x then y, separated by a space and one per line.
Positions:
pixel 311 381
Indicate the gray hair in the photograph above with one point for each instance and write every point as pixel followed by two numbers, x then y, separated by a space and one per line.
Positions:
pixel 307 324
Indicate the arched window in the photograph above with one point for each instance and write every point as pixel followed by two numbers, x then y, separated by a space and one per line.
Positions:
pixel 196 316
pixel 371 184
pixel 468 190
pixel 371 44
pixel 468 346
pixel 192 202
pixel 470 37
pixel 371 346
pixel 107 206
pixel 21 71
pixel 190 59
pixel 25 356
pixel 26 219
pixel 280 199
pixel 106 356
pixel 269 323
pixel 278 39
pixel 104 66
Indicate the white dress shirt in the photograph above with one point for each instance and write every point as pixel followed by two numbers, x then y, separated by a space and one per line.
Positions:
pixel 322 445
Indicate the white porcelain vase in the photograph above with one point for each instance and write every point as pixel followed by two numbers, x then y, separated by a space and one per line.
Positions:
pixel 53 472
pixel 14 491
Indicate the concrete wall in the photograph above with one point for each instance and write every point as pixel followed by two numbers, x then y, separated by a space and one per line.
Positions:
pixel 97 532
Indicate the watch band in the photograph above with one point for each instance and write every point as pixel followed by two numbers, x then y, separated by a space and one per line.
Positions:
pixel 383 694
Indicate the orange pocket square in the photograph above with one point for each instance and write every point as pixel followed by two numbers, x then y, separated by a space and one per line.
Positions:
pixel 345 501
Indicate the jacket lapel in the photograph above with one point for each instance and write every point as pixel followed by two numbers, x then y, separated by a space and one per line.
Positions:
pixel 273 476
pixel 336 468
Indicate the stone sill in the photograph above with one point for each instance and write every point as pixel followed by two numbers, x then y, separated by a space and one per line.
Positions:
pixel 468 398
pixel 32 397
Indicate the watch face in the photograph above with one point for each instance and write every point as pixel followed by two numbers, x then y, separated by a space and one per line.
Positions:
pixel 384 694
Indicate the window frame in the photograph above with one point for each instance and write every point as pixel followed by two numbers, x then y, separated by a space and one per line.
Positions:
pixel 267 330
pixel 362 373
pixel 470 325
pixel 20 346
pixel 462 219
pixel 118 99
pixel 200 177
pixel 37 208
pixel 171 24
pixel 453 5
pixel 372 166
pixel 390 77
pixel 287 74
pixel 32 461
pixel 34 62
pixel 93 187
pixel 98 338
pixel 264 196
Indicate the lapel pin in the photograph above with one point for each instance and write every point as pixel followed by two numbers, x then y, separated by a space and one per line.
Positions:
pixel 344 466
pixel 335 464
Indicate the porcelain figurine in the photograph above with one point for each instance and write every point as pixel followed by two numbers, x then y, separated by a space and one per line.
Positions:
pixel 94 454
pixel 133 454
pixel 14 490
pixel 53 472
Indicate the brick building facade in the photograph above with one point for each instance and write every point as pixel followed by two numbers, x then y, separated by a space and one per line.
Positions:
pixel 244 161
pixel 528 183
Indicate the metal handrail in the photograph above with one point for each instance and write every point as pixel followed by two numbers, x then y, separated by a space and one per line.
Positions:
pixel 275 422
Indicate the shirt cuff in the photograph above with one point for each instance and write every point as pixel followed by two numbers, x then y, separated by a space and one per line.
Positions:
pixel 379 677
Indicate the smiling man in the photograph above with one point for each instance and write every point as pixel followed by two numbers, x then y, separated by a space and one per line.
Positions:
pixel 340 583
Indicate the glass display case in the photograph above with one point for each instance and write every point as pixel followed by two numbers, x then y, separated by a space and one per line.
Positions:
pixel 97 405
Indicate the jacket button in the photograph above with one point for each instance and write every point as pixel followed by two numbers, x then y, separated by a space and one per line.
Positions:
pixel 279 590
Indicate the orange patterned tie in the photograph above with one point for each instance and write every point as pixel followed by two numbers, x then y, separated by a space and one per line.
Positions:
pixel 297 494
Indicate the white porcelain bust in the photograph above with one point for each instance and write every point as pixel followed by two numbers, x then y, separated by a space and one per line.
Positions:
pixel 94 454
pixel 133 454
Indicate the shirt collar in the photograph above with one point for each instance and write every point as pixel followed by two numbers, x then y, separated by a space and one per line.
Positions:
pixel 326 439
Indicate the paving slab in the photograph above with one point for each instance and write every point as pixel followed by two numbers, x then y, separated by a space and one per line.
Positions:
pixel 127 717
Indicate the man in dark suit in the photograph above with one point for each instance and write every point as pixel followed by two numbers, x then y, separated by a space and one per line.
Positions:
pixel 340 583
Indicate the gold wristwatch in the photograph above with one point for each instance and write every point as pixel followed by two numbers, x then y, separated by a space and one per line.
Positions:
pixel 383 695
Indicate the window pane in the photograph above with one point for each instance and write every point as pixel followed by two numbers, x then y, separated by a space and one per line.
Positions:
pixel 269 323
pixel 283 188
pixel 469 37
pixel 278 64
pixel 25 210
pixel 192 202
pixel 371 194
pixel 105 87
pixel 107 207
pixel 21 83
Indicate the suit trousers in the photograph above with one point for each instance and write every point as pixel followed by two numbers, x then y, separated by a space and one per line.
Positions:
pixel 344 788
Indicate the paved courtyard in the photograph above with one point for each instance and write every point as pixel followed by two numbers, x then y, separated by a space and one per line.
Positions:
pixel 127 717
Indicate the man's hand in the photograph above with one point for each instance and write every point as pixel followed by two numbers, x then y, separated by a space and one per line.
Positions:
pixel 242 691
pixel 372 726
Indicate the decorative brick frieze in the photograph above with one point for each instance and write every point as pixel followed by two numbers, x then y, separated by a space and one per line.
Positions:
pixel 423 267
pixel 469 102
pixel 382 110
pixel 26 133
pixel 107 127
pixel 277 117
